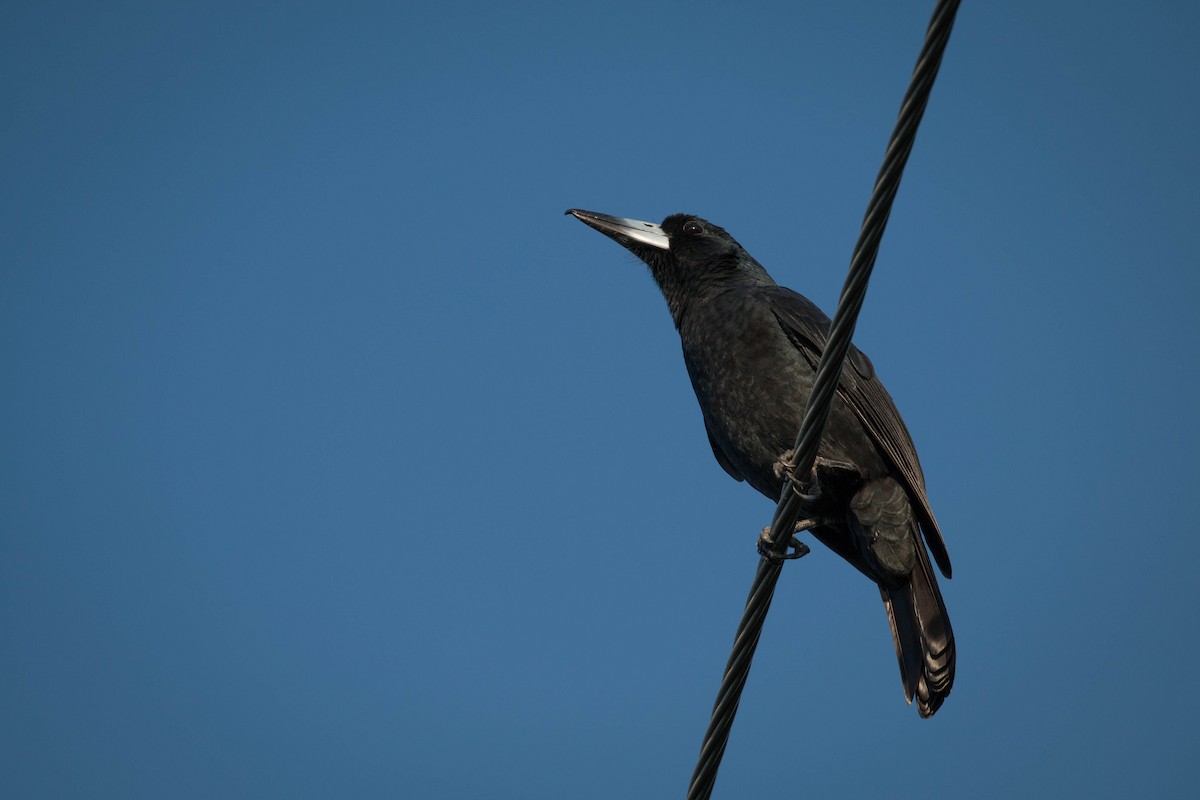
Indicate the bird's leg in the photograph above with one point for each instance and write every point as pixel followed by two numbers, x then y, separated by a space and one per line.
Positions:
pixel 766 548
pixel 810 493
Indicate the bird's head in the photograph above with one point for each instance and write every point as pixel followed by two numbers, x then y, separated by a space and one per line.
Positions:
pixel 689 257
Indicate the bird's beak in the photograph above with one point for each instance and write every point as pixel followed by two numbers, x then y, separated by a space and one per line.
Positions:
pixel 625 231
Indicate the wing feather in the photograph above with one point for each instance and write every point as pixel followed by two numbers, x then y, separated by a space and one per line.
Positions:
pixel 807 327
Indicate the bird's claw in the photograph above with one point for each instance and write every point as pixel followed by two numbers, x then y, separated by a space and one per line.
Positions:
pixel 783 467
pixel 808 490
pixel 766 547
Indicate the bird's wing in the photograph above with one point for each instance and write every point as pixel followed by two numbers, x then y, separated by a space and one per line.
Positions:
pixel 807 327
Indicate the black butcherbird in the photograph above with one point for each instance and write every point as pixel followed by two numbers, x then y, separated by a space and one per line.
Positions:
pixel 751 349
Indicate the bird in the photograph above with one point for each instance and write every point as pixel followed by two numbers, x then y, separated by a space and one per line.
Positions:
pixel 751 348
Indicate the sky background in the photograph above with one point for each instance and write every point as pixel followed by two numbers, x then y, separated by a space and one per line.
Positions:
pixel 336 462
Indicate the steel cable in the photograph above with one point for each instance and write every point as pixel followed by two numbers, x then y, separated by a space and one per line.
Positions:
pixel 829 371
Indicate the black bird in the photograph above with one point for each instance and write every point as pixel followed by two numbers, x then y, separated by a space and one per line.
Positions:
pixel 751 348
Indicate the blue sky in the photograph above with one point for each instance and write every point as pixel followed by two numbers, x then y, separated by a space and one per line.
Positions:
pixel 335 461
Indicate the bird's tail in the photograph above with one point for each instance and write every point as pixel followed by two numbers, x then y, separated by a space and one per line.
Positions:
pixel 921 631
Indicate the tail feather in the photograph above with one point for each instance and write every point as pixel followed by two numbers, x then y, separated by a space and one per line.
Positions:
pixel 922 634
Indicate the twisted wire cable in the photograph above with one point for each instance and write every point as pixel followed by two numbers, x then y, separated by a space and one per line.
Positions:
pixel 816 413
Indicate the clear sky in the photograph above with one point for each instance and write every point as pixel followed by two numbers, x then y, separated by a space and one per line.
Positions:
pixel 336 462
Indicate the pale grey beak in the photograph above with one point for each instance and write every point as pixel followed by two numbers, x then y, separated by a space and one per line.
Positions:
pixel 625 231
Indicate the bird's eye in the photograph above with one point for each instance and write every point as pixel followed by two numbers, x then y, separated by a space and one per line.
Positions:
pixel 693 228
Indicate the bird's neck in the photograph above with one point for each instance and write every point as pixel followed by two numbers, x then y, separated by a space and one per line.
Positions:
pixel 686 292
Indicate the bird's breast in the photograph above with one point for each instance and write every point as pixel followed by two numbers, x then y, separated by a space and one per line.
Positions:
pixel 751 383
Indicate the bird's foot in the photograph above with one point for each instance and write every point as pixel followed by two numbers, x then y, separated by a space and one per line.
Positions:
pixel 766 548
pixel 808 490
pixel 783 467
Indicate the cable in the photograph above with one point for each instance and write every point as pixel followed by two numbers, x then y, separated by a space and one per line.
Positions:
pixel 816 413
